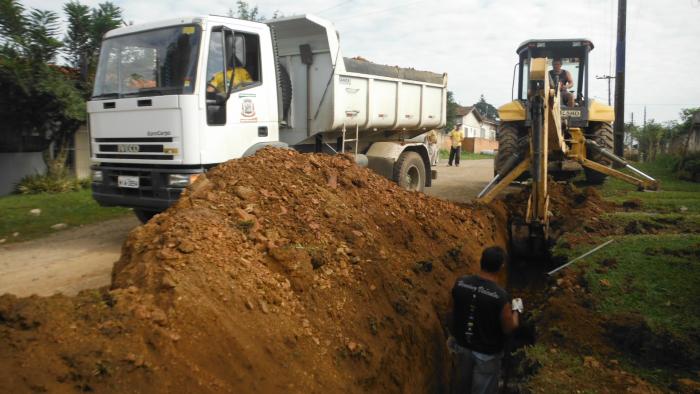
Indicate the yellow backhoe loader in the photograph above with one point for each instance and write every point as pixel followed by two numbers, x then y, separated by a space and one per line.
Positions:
pixel 539 136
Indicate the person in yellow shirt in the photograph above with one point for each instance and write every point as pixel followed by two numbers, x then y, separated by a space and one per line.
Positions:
pixel 240 76
pixel 431 140
pixel 456 137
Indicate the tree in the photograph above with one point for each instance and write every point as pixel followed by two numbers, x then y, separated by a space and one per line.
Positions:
pixel 250 13
pixel 486 109
pixel 246 12
pixel 451 111
pixel 86 27
pixel 39 102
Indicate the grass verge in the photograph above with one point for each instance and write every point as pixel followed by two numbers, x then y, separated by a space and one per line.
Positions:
pixel 72 208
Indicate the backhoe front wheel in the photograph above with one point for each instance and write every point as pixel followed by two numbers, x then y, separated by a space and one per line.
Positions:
pixel 602 134
pixel 409 171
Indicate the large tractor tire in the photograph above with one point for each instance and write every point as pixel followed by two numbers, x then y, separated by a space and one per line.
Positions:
pixel 409 171
pixel 507 146
pixel 602 134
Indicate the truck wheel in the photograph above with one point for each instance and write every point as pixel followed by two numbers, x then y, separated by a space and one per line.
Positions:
pixel 409 171
pixel 144 215
pixel 602 134
pixel 507 146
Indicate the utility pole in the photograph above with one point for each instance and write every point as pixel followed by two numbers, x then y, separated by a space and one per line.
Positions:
pixel 619 129
pixel 608 77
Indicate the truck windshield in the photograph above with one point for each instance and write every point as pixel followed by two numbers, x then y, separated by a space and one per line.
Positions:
pixel 154 62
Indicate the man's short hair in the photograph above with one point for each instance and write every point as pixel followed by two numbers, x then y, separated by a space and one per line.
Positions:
pixel 557 59
pixel 492 259
pixel 458 125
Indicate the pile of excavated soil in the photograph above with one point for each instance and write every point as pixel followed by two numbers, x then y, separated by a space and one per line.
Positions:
pixel 574 211
pixel 277 272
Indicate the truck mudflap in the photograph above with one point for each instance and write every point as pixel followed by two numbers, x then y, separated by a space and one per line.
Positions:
pixel 138 187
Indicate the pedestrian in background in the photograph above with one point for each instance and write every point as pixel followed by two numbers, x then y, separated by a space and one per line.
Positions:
pixel 456 137
pixel 431 140
pixel 482 317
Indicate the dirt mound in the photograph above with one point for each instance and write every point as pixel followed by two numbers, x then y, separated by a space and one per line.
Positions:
pixel 277 272
pixel 574 211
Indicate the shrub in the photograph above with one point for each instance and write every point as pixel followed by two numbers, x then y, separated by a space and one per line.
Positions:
pixel 689 168
pixel 35 184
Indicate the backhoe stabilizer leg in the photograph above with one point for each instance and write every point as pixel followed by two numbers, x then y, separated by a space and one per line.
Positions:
pixel 642 184
pixel 507 167
pixel 490 191
pixel 646 183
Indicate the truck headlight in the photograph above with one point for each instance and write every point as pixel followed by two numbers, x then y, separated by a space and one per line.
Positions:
pixel 97 176
pixel 181 180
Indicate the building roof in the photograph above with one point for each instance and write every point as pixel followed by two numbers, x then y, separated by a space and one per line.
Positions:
pixel 464 111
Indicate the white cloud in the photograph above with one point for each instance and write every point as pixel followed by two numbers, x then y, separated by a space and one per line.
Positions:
pixel 474 41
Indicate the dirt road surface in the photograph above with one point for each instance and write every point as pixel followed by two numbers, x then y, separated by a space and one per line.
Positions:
pixel 463 183
pixel 82 258
pixel 65 262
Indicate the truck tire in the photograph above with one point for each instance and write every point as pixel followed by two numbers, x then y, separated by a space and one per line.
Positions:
pixel 602 134
pixel 286 91
pixel 144 215
pixel 507 137
pixel 409 171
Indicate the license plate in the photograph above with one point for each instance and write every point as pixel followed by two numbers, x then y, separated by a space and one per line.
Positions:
pixel 131 182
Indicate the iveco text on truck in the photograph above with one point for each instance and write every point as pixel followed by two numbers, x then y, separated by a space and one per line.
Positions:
pixel 175 98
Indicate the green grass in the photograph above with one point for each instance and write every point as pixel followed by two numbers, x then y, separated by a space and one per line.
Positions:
pixel 656 275
pixel 445 155
pixel 72 208
pixel 673 196
pixel 656 271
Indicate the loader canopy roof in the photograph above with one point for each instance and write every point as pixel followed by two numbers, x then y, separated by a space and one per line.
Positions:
pixel 551 48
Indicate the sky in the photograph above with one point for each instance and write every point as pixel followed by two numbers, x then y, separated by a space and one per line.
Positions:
pixel 474 41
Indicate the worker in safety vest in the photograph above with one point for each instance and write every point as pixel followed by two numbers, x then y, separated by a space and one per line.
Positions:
pixel 239 75
pixel 456 137
pixel 431 140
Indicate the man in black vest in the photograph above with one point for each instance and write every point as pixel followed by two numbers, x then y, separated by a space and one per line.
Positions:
pixel 482 317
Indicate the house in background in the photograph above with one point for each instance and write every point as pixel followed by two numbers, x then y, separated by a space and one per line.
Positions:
pixel 479 131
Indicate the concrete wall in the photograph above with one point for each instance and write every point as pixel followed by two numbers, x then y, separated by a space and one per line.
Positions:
pixel 15 166
pixel 477 145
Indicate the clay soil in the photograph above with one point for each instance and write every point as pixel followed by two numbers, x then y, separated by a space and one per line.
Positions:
pixel 277 272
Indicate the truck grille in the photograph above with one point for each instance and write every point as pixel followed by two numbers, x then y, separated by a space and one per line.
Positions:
pixel 144 148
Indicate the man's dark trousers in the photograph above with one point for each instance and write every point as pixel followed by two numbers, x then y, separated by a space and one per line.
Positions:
pixel 454 155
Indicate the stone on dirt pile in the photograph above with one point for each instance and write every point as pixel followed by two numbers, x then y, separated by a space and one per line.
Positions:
pixel 281 272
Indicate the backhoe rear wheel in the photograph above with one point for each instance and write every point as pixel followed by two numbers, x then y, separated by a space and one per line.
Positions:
pixel 507 137
pixel 602 134
pixel 409 171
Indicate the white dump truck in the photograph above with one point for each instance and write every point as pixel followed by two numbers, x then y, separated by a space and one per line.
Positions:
pixel 177 97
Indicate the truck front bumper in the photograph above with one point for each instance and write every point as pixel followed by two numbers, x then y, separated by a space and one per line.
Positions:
pixel 153 193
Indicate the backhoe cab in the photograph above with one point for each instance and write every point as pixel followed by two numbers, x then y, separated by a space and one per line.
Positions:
pixel 594 118
pixel 539 137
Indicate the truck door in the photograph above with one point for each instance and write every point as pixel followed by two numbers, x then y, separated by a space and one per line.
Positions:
pixel 236 107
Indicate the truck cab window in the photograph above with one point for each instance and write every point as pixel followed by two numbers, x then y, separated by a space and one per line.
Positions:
pixel 242 52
